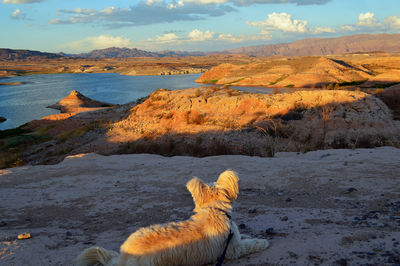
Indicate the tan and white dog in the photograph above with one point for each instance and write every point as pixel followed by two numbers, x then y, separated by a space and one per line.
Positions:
pixel 197 241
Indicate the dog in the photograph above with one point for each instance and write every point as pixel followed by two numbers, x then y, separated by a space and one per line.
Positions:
pixel 205 237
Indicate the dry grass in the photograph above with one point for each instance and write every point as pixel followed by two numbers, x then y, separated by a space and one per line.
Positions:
pixel 391 97
pixel 10 159
pixel 71 134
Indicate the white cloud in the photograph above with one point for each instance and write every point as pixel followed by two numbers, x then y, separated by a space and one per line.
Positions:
pixel 167 37
pixel 251 2
pixel 348 28
pixel 97 42
pixel 297 2
pixel 153 2
pixel 143 13
pixel 393 22
pixel 206 2
pixel 368 20
pixel 17 2
pixel 110 10
pixel 228 37
pixel 17 14
pixel 199 36
pixel 319 30
pixel 173 5
pixel 282 22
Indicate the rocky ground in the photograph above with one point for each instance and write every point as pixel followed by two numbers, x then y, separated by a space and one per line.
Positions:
pixel 331 207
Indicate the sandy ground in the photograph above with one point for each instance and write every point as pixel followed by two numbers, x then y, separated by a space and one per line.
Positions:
pixel 331 207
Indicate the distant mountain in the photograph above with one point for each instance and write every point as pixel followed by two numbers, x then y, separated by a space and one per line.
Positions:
pixel 317 46
pixel 168 53
pixel 115 52
pixel 307 47
pixel 10 54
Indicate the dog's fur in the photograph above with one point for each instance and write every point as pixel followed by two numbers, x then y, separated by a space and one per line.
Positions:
pixel 197 241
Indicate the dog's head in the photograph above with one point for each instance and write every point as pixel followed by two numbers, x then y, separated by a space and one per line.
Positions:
pixel 222 192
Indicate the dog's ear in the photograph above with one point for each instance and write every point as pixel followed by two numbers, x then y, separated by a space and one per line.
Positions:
pixel 198 190
pixel 228 181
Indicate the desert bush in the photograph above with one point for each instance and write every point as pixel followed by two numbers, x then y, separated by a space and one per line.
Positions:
pixel 391 97
pixel 71 134
pixel 279 79
pixel 197 93
pixel 19 140
pixel 11 158
pixel 194 117
pixel 228 123
pixel 14 131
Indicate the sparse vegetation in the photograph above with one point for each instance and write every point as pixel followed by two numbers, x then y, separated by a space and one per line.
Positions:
pixel 279 79
pixel 212 81
pixel 71 134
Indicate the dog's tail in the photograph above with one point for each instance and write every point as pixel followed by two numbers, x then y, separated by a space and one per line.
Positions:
pixel 95 256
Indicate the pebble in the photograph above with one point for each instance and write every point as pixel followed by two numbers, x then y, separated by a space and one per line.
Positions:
pixel 284 218
pixel 350 190
pixel 24 236
pixel 342 262
pixel 324 155
pixel 292 254
pixel 252 210
pixel 270 231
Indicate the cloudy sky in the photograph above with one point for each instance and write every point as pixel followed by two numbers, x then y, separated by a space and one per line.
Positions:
pixel 74 26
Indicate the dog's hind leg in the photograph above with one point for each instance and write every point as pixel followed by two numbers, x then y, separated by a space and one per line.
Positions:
pixel 253 245
pixel 242 245
pixel 245 236
pixel 96 256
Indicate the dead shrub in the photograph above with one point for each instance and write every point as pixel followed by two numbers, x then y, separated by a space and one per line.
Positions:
pixel 194 117
pixel 391 97
pixel 197 93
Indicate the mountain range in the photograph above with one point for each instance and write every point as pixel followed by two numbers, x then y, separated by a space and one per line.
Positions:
pixel 326 46
pixel 307 47
pixel 10 54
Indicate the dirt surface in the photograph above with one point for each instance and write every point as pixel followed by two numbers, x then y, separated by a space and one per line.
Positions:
pixel 324 207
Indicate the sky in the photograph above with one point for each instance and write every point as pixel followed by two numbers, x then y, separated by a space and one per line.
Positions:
pixel 76 26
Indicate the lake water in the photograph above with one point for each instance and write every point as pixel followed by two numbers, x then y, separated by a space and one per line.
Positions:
pixel 26 102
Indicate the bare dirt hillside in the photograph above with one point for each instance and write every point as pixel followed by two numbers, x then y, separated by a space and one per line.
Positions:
pixel 332 207
pixel 309 72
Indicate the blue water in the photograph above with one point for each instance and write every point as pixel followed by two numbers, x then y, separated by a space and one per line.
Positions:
pixel 26 102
